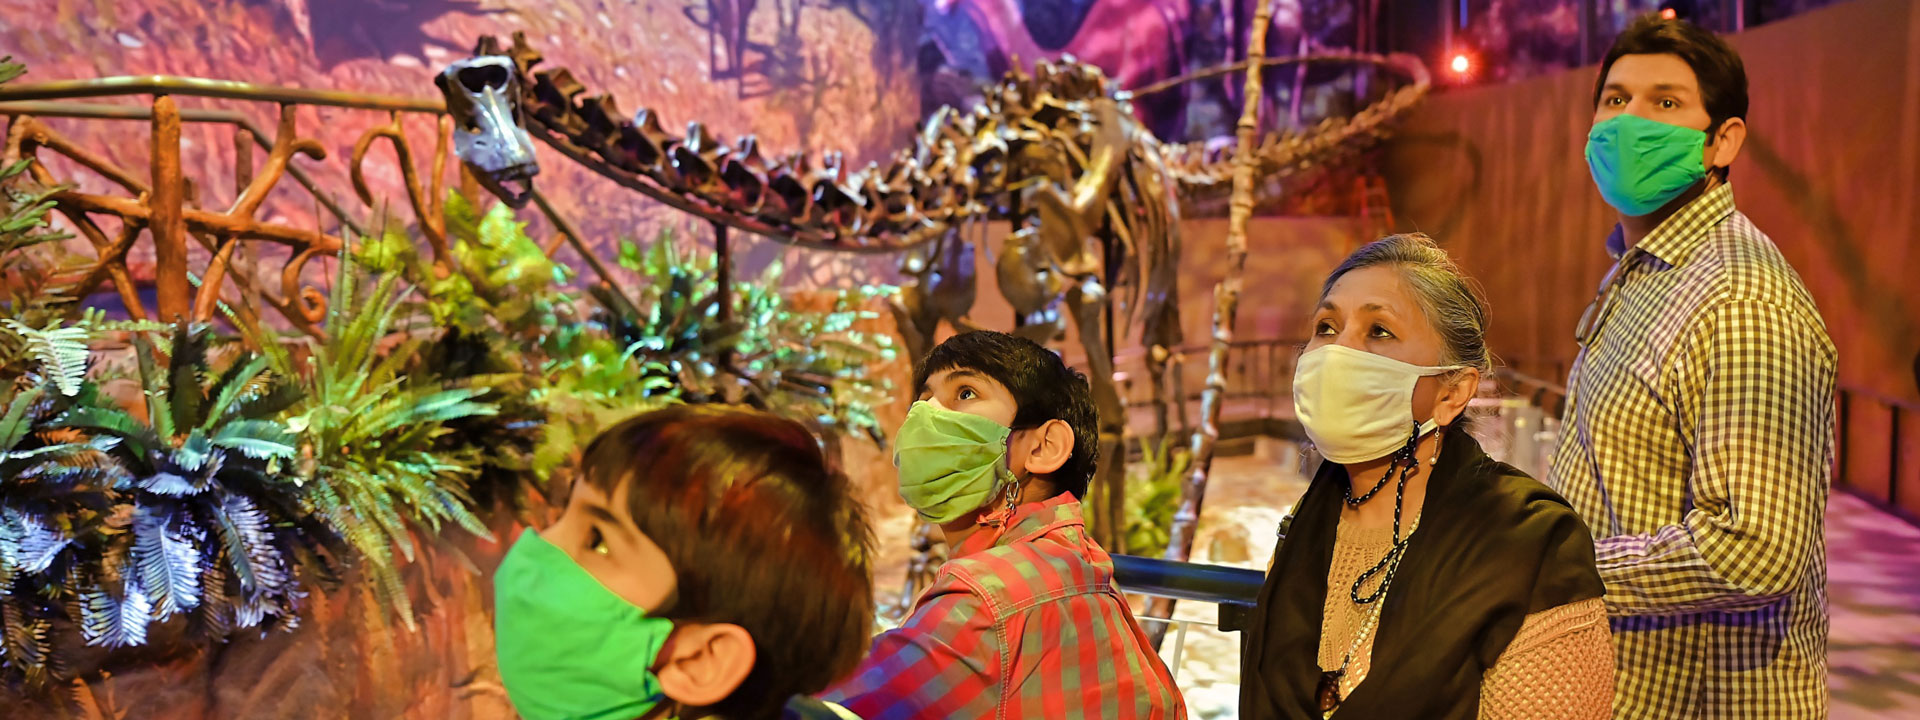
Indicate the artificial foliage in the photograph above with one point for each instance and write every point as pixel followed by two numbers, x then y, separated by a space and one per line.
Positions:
pixel 369 437
pixel 437 393
pixel 30 256
pixel 508 321
pixel 1153 493
pixel 797 361
pixel 121 519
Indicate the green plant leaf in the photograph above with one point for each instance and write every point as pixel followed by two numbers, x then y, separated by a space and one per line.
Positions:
pixel 258 439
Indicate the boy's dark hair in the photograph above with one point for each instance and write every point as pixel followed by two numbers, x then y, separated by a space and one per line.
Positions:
pixel 1043 388
pixel 761 534
pixel 1722 75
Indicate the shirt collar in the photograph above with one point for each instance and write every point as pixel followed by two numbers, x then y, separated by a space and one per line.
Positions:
pixel 1675 239
pixel 1028 522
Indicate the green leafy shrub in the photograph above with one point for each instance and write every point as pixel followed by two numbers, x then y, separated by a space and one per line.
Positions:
pixel 801 362
pixel 1153 495
pixel 127 519
pixel 369 436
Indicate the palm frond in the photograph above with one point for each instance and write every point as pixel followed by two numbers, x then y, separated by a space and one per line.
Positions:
pixel 234 384
pixel 61 352
pixel 15 424
pixel 116 622
pixel 143 439
pixel 257 439
pixel 261 406
pixel 168 564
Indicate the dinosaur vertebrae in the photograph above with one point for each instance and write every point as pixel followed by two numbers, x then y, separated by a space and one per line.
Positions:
pixel 962 165
pixel 1204 170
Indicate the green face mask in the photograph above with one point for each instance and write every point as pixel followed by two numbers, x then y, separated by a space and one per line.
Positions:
pixel 569 648
pixel 951 463
pixel 1640 165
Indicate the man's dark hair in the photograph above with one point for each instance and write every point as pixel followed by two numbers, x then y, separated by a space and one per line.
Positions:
pixel 1723 77
pixel 761 534
pixel 1043 388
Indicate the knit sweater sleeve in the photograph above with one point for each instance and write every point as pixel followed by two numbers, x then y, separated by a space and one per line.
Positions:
pixel 1559 667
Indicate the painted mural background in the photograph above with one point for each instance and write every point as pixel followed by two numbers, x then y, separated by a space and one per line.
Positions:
pixel 848 75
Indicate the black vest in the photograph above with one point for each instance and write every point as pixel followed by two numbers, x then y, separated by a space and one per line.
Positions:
pixel 1493 546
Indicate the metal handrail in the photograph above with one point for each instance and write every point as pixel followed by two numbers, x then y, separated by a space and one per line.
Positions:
pixel 210 88
pixel 1233 591
pixel 1217 584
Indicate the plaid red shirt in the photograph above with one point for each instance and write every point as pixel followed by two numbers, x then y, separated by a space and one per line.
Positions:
pixel 1026 625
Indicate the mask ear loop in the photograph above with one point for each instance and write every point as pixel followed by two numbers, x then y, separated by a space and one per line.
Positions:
pixel 1406 454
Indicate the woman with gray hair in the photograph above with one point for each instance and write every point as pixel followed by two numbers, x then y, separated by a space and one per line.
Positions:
pixel 1419 578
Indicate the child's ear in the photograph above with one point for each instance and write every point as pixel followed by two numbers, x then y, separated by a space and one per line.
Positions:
pixel 704 663
pixel 1052 447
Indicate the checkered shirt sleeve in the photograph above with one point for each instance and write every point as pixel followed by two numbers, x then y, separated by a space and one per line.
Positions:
pixel 943 663
pixel 1752 402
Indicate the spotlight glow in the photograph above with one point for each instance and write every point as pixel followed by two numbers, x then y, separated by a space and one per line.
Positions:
pixel 1461 64
pixel 1669 14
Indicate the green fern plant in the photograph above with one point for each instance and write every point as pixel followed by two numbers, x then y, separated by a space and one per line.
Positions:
pixel 507 327
pixel 214 515
pixel 800 362
pixel 55 497
pixel 30 255
pixel 1153 494
pixel 369 437
pixel 501 280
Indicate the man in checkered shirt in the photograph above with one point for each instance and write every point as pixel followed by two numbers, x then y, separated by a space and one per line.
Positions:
pixel 1698 434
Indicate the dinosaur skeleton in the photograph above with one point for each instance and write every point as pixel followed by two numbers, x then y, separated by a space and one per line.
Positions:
pixel 1093 197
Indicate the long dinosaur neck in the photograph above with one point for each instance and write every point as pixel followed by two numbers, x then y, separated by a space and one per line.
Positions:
pixel 960 168
pixel 917 196
pixel 1206 173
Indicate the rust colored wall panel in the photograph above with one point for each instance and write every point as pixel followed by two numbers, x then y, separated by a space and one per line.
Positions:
pixel 1868 448
pixel 1831 171
pixel 1906 478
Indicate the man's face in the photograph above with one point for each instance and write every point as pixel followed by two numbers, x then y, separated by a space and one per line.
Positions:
pixel 1662 88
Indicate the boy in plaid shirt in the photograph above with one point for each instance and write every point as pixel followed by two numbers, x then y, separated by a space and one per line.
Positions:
pixel 1024 620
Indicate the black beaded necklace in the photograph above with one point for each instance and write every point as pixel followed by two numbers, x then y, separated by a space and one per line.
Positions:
pixel 1390 563
pixel 1328 690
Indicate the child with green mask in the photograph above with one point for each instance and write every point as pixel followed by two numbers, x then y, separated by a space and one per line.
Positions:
pixel 708 564
pixel 1024 620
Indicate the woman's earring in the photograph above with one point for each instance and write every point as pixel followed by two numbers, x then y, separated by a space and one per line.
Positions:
pixel 1435 460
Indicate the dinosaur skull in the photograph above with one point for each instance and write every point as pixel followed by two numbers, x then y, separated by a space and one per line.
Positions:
pixel 483 96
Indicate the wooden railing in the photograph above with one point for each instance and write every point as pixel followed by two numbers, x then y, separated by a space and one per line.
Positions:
pixel 1877 450
pixel 162 206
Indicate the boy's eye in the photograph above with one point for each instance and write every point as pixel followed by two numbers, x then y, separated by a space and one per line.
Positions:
pixel 1668 104
pixel 966 393
pixel 597 542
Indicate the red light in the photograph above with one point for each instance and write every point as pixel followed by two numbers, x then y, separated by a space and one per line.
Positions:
pixel 1461 64
pixel 1669 14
